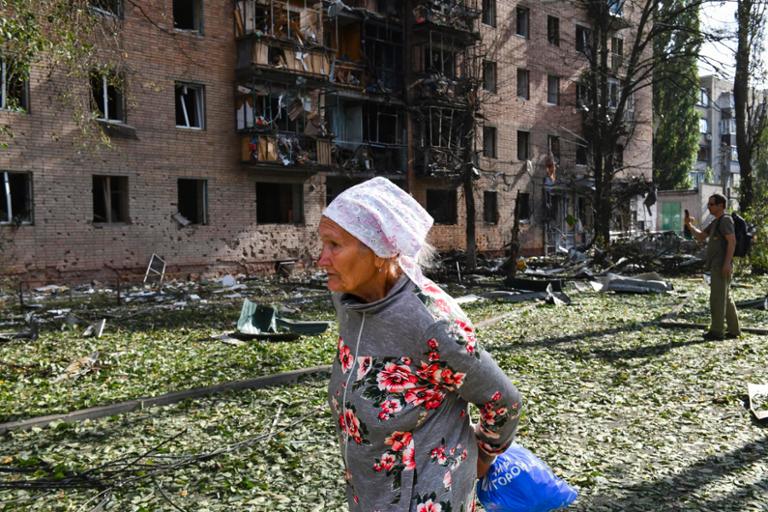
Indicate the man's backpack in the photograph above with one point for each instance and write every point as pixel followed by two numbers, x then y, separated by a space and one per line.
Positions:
pixel 743 232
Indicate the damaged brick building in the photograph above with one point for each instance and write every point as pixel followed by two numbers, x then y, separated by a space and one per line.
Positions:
pixel 234 123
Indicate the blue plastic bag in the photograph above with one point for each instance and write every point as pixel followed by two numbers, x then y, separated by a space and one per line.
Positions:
pixel 518 481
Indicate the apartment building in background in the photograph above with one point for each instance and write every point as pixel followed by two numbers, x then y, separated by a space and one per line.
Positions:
pixel 233 124
pixel 717 143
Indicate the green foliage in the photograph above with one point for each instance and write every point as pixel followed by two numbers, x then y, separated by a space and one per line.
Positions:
pixel 675 92
pixel 758 216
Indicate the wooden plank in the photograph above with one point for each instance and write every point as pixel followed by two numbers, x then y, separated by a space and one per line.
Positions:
pixel 166 399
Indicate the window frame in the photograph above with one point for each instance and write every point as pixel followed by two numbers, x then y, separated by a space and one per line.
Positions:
pixel 199 21
pixel 489 64
pixel 453 211
pixel 523 72
pixel 491 217
pixel 7 194
pixel 490 135
pixel 124 213
pixel 553 30
pixel 556 79
pixel 102 105
pixel 489 7
pixel 5 63
pixel 199 99
pixel 524 216
pixel 583 44
pixel 527 146
pixel 201 194
pixel 107 12
pixel 523 22
pixel 298 202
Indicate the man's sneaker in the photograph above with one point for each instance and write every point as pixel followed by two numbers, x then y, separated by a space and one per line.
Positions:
pixel 710 336
pixel 731 336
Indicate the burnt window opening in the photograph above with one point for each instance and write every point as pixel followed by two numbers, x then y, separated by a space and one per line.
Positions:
pixel 583 39
pixel 523 206
pixel 553 30
pixel 14 86
pixel 490 207
pixel 522 21
pixel 279 203
pixel 108 97
pixel 523 83
pixel 553 144
pixel 581 155
pixel 384 49
pixel 444 129
pixel 441 205
pixel 15 198
pixel 523 145
pixel 110 199
pixel 489 12
pixel 189 106
pixel 489 141
pixel 440 60
pixel 489 76
pixel 188 15
pixel 109 7
pixel 381 124
pixel 553 90
pixel 193 200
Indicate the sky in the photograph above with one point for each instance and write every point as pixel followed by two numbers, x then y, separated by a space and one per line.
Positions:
pixel 719 15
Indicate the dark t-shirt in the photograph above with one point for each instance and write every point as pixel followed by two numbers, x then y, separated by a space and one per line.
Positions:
pixel 716 243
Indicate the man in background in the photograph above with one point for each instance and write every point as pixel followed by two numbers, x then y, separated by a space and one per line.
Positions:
pixel 721 243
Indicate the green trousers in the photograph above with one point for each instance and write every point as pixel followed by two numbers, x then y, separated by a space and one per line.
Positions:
pixel 721 305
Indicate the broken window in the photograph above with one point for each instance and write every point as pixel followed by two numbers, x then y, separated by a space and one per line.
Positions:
pixel 524 206
pixel 110 7
pixel 553 90
pixel 523 83
pixel 441 205
pixel 189 106
pixel 522 21
pixel 490 207
pixel 13 86
pixel 444 129
pixel 583 39
pixel 553 30
pixel 384 49
pixel 489 76
pixel 193 200
pixel 553 144
pixel 489 12
pixel 523 143
pixel 188 15
pixel 440 60
pixel 110 199
pixel 16 198
pixel 381 124
pixel 108 98
pixel 489 141
pixel 279 203
pixel 581 155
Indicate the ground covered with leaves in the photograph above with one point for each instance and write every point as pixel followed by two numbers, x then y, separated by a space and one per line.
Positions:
pixel 635 416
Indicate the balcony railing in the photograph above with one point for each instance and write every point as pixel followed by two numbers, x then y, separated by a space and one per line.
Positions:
pixel 369 157
pixel 285 149
pixel 459 15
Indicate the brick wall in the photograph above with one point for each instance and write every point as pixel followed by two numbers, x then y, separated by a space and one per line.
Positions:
pixel 63 240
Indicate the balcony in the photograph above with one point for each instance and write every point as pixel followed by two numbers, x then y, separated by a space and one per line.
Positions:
pixel 457 16
pixel 286 151
pixel 369 158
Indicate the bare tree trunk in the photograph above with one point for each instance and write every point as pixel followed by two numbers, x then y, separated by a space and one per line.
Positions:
pixel 469 202
pixel 741 101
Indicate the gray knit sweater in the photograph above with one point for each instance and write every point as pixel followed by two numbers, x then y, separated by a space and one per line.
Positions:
pixel 407 366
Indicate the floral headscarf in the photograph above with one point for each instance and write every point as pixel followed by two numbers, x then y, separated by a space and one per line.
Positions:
pixel 386 219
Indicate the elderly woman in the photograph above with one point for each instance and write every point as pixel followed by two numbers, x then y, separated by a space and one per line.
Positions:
pixel 408 363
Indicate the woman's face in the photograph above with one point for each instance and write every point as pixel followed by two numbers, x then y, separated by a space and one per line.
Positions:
pixel 350 265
